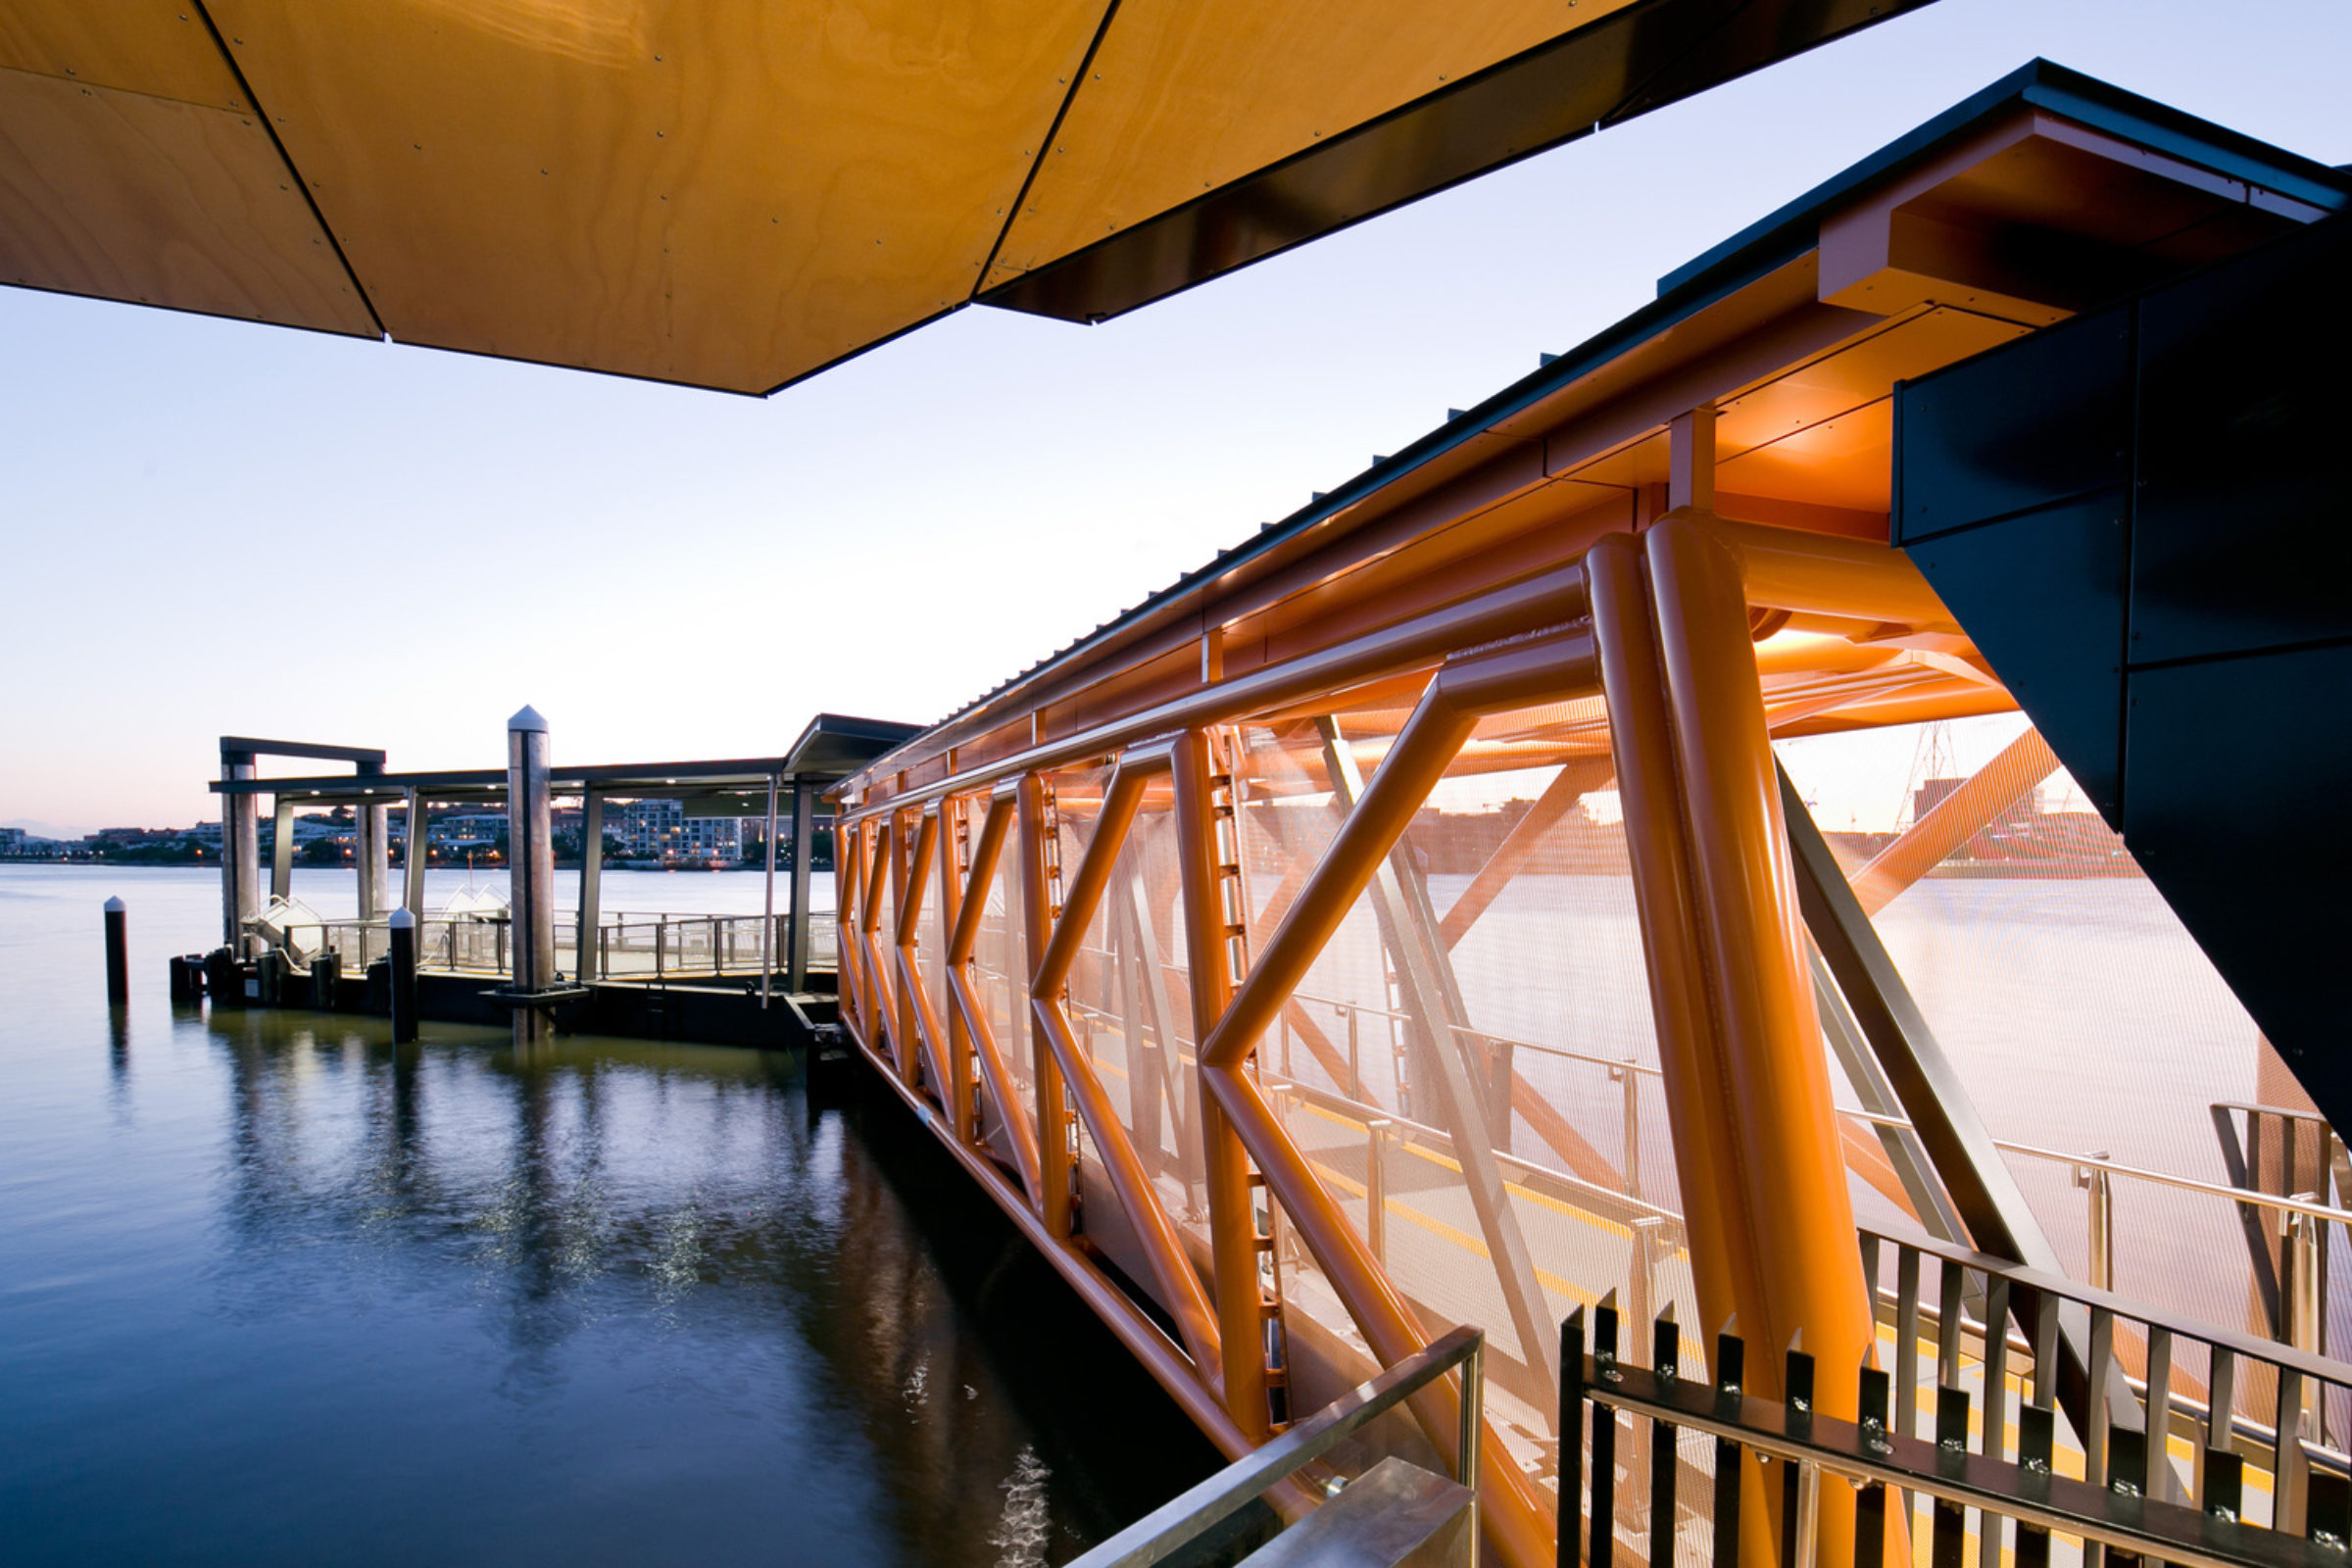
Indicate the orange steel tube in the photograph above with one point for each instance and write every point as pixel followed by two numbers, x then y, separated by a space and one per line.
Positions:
pixel 1575 776
pixel 927 1042
pixel 1424 746
pixel 957 1040
pixel 1511 1513
pixel 1787 1145
pixel 1020 1130
pixel 1448 710
pixel 1180 1291
pixel 1082 891
pixel 1549 598
pixel 1224 1162
pixel 1955 820
pixel 1051 1109
pixel 905 1035
pixel 1821 575
pixel 1723 1264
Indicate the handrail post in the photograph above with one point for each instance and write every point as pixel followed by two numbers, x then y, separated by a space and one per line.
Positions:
pixel 2095 1179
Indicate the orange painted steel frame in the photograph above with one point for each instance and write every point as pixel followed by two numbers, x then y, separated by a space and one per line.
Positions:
pixel 1658 623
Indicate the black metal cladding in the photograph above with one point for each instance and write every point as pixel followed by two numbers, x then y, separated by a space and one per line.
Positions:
pixel 2135 516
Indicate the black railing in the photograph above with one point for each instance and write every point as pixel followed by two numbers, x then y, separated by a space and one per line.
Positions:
pixel 1801 1451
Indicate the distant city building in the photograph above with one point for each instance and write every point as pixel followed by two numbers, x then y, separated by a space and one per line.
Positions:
pixel 11 841
pixel 661 830
pixel 466 830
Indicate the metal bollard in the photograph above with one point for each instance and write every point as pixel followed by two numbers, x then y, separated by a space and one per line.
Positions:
pixel 403 976
pixel 118 954
pixel 327 974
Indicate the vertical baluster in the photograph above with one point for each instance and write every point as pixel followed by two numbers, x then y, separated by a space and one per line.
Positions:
pixel 1665 1459
pixel 1948 1292
pixel 1950 1539
pixel 2288 1466
pixel 1572 1436
pixel 2225 1485
pixel 1870 1503
pixel 2221 1401
pixel 1800 1483
pixel 1906 1359
pixel 2045 1352
pixel 1996 1375
pixel 2161 1483
pixel 1603 1540
pixel 2036 1436
pixel 2328 1510
pixel 1731 1372
pixel 2127 1476
pixel 2094 1440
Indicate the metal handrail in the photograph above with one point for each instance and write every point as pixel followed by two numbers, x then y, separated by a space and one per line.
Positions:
pixel 1178 1523
pixel 2234 1195
pixel 1872 1454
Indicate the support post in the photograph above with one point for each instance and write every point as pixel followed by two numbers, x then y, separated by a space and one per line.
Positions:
pixel 768 925
pixel 118 954
pixel 1054 1169
pixel 371 829
pixel 803 848
pixel 415 851
pixel 282 847
pixel 240 857
pixel 531 869
pixel 403 925
pixel 590 946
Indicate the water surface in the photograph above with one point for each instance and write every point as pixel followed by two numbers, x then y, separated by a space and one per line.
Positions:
pixel 272 1290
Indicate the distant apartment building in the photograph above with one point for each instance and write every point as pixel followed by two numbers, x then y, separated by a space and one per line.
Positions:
pixel 466 830
pixel 11 841
pixel 661 830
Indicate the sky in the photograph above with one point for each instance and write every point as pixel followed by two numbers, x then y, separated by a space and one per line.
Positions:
pixel 210 527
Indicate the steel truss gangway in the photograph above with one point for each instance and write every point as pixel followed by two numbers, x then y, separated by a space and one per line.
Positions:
pixel 1094 924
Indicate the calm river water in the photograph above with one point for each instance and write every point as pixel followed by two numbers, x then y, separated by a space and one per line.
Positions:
pixel 273 1292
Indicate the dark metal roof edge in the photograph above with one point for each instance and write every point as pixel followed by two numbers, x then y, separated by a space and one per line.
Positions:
pixel 1650 319
pixel 2043 84
pixel 1754 252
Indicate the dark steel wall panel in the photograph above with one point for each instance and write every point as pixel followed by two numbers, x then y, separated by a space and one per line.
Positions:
pixel 2244 539
pixel 2184 640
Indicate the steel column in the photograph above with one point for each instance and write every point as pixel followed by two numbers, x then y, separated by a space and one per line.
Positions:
pixel 768 925
pixel 1225 1169
pixel 803 850
pixel 415 851
pixel 1054 1169
pixel 282 847
pixel 240 857
pixel 588 955
pixel 531 869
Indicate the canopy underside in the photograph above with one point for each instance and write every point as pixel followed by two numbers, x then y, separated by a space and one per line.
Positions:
pixel 736 196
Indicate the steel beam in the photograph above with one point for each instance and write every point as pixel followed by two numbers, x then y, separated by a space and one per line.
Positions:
pixel 1435 1007
pixel 282 847
pixel 803 849
pixel 1002 1090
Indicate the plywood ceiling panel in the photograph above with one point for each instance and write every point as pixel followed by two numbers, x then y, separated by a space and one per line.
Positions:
pixel 126 196
pixel 157 47
pixel 1186 95
pixel 702 191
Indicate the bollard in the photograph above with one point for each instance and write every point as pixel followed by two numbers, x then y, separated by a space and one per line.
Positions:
pixel 326 975
pixel 118 954
pixel 187 979
pixel 223 978
pixel 403 976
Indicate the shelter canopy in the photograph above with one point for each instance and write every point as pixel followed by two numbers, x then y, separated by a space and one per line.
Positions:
pixel 735 196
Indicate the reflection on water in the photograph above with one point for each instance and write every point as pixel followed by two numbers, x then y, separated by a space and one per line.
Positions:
pixel 275 1290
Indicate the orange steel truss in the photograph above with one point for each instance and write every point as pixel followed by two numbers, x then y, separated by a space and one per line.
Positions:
pixel 1643 658
pixel 1199 1024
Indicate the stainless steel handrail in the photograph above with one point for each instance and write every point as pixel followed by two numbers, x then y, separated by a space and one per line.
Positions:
pixel 1176 1523
pixel 2234 1195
